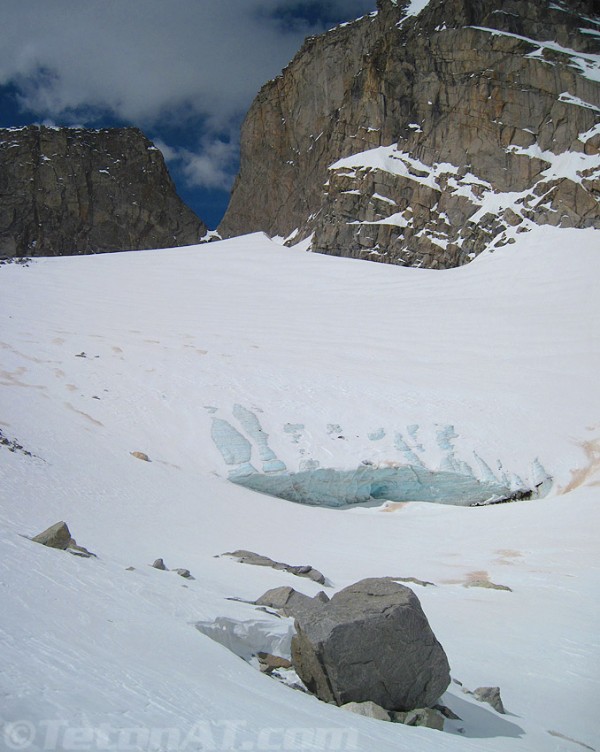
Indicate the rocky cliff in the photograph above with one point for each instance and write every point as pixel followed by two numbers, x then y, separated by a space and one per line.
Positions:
pixel 421 138
pixel 67 191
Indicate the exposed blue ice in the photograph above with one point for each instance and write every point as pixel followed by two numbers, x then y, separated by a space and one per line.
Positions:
pixel 343 488
pixel 309 464
pixel 444 438
pixel 236 449
pixel 407 452
pixel 450 462
pixel 541 480
pixel 295 429
pixel 241 471
pixel 253 429
pixel 454 483
pixel 413 432
pixel 274 466
pixel 485 470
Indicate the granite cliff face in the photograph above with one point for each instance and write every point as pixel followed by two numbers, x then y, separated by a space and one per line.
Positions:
pixel 66 191
pixel 421 139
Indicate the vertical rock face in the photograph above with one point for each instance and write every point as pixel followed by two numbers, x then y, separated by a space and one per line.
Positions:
pixel 422 139
pixel 67 191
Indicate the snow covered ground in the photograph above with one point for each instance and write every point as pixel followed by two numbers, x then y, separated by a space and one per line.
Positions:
pixel 311 361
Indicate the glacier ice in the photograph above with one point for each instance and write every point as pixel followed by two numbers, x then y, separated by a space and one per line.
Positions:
pixel 341 488
pixel 234 447
pixel 410 479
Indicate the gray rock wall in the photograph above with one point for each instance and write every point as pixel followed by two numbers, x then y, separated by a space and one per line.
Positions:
pixel 67 191
pixel 478 99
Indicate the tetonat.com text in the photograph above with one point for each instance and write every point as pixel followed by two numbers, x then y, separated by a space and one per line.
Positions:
pixel 204 736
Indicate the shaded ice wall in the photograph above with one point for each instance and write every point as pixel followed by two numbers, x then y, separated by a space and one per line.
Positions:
pixel 454 482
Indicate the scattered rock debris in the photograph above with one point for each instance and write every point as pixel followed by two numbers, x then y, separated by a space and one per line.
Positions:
pixel 13 445
pixel 483 583
pixel 414 580
pixel 22 260
pixel 160 565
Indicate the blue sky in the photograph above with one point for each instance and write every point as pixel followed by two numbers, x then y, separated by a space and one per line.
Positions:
pixel 184 71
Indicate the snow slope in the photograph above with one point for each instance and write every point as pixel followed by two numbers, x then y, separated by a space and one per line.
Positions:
pixel 489 369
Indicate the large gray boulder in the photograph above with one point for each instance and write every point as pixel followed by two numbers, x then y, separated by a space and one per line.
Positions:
pixel 371 641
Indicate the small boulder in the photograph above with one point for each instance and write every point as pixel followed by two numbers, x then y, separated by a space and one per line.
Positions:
pixel 184 573
pixel 491 695
pixel 268 662
pixel 289 602
pixel 56 536
pixel 428 717
pixel 368 709
pixel 159 564
pixel 59 536
pixel 140 456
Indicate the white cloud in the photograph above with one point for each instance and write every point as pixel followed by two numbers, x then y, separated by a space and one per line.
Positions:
pixel 185 71
pixel 145 61
pixel 169 153
pixel 210 166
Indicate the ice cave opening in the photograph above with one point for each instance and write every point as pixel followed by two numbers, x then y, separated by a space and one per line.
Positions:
pixel 366 484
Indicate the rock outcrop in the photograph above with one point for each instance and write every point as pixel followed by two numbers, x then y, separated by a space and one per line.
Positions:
pixel 423 139
pixel 301 570
pixel 68 191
